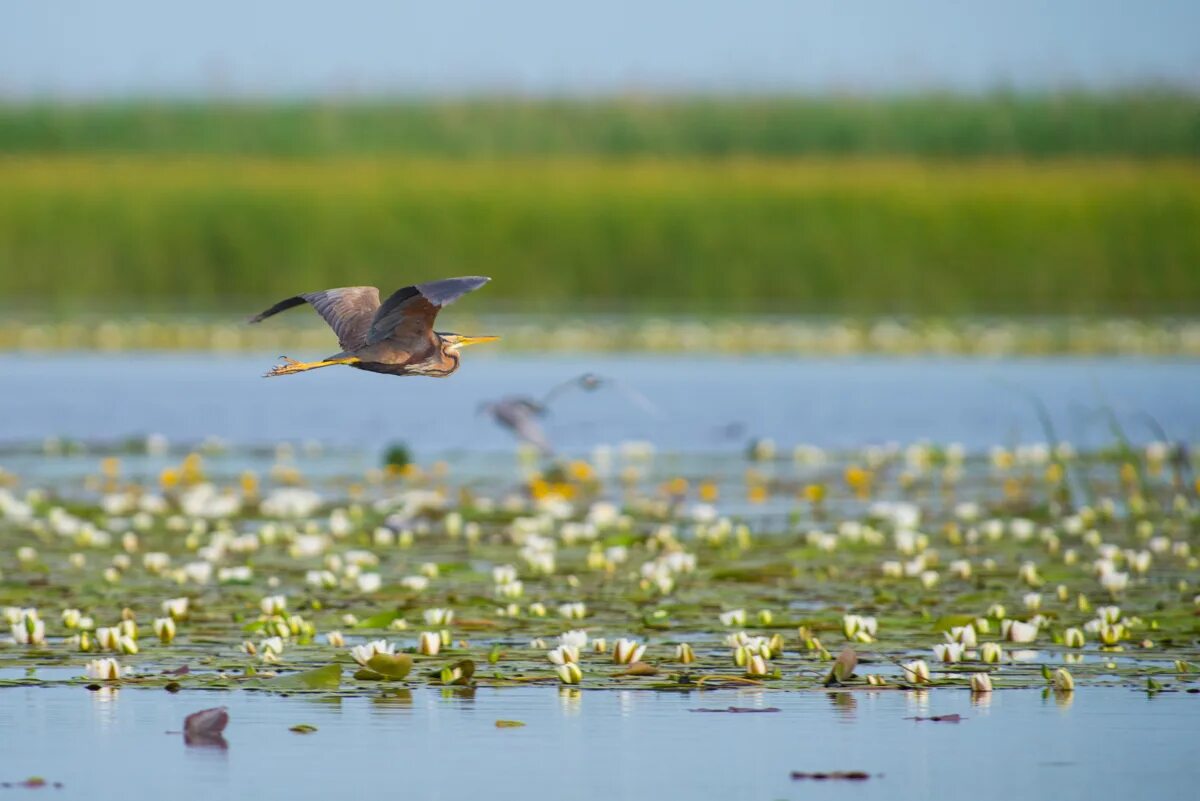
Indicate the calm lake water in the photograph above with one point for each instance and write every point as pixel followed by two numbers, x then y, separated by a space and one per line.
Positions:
pixel 706 404
pixel 1106 742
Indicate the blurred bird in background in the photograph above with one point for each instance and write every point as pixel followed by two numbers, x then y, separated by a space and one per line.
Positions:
pixel 520 414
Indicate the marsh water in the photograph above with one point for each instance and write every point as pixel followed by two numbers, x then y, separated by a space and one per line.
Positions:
pixel 704 404
pixel 1105 739
pixel 1106 742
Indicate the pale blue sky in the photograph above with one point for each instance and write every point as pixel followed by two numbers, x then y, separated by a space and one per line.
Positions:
pixel 86 48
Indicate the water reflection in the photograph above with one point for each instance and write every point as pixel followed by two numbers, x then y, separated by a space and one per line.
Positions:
pixel 844 705
pixel 981 700
pixel 399 698
pixel 917 700
pixel 570 700
pixel 1063 700
pixel 104 704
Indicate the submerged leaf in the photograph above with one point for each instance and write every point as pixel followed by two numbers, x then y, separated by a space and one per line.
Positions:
pixel 743 710
pixel 952 718
pixel 509 724
pixel 850 775
pixel 303 728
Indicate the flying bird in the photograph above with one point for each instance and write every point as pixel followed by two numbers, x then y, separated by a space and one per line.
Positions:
pixel 394 337
pixel 520 413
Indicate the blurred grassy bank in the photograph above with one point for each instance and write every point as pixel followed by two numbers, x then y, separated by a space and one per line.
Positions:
pixel 858 236
pixel 1143 123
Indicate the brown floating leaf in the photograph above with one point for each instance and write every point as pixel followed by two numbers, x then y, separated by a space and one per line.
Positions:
pixel 639 669
pixel 954 718
pixel 179 671
pixel 737 709
pixel 847 775
pixel 843 667
pixel 303 728
pixel 509 724
pixel 205 727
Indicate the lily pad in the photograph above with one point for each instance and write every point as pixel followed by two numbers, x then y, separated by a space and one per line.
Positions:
pixel 322 678
pixel 390 666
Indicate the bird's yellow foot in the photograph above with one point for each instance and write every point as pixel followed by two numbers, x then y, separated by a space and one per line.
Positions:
pixel 288 367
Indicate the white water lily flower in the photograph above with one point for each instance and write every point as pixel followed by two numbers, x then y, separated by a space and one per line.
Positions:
pixel 757 665
pixel 274 604
pixel 1073 638
pixel 626 651
pixel 996 611
pixel 1017 631
pixel 175 607
pixel 981 683
pixel 599 645
pixel 429 643
pixel 335 639
pixel 164 627
pixel 734 617
pixel 573 611
pixel 272 644
pixel 961 568
pixel 1114 581
pixel 103 670
pixel 71 618
pixel 29 629
pixel 964 635
pixel 858 628
pixel 127 644
pixel 363 653
pixel 510 589
pixel 929 579
pixel 438 617
pixel 415 583
pixel 369 582
pixel 107 637
pixel 1032 600
pixel 569 673
pixel 537 609
pixel 948 651
pixel 916 671
pixel 1108 614
pixel 504 574
pixel 1028 573
pixel 684 654
pixel 576 638
pixel 563 654
pixel 1064 682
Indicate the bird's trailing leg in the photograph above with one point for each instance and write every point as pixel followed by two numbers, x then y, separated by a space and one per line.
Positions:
pixel 290 366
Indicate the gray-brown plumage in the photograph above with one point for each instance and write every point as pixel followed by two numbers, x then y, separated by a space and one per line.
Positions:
pixel 394 337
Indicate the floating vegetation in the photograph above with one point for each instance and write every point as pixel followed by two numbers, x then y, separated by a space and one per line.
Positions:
pixel 925 568
pixel 818 336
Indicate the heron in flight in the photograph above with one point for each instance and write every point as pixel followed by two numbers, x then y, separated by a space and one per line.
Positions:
pixel 394 337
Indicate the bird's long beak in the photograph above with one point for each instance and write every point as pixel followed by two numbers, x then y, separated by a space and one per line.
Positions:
pixel 464 341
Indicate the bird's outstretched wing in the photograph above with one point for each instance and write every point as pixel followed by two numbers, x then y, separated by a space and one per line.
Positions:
pixel 409 313
pixel 349 311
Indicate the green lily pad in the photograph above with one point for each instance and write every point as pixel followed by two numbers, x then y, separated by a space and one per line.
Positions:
pixel 322 678
pixel 391 666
